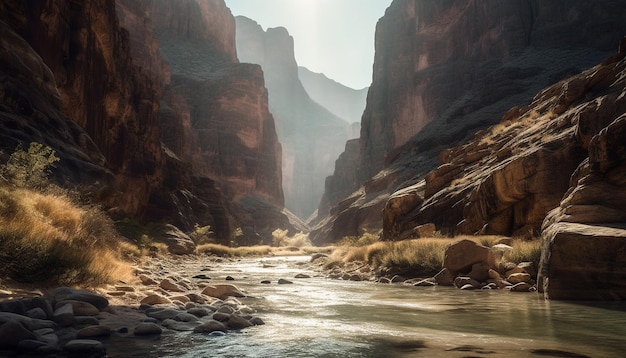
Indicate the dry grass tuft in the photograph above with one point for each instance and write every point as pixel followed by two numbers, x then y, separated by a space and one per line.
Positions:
pixel 49 239
pixel 524 251
pixel 281 238
pixel 225 251
pixel 423 256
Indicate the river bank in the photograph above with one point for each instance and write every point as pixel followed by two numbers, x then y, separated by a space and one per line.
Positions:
pixel 316 316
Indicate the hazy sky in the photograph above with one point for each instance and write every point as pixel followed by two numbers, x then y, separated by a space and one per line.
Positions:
pixel 334 37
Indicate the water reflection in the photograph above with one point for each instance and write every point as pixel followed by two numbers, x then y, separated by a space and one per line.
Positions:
pixel 317 317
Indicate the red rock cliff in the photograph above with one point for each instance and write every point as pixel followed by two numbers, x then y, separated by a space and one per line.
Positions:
pixel 215 114
pixel 444 69
pixel 87 79
pixel 100 88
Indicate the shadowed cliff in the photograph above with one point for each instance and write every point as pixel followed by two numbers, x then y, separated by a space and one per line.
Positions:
pixel 187 141
pixel 440 75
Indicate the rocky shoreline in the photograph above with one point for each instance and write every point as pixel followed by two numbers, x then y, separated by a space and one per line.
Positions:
pixel 467 266
pixel 69 322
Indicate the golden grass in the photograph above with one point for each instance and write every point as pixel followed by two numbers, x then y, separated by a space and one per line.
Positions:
pixel 241 251
pixel 423 256
pixel 49 239
pixel 524 251
pixel 260 250
pixel 281 238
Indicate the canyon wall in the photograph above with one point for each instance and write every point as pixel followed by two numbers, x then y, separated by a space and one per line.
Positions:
pixel 187 141
pixel 215 115
pixel 312 137
pixel 344 102
pixel 82 45
pixel 444 70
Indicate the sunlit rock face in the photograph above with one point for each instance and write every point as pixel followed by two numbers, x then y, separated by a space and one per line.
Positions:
pixel 312 137
pixel 584 237
pixel 100 89
pixel 442 71
pixel 215 119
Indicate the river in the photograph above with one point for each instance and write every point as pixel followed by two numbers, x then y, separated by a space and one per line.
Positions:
pixel 319 317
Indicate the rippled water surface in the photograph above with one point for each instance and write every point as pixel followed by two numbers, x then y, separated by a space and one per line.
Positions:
pixel 319 317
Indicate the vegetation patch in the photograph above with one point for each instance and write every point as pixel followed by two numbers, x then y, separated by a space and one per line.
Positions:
pixel 47 237
pixel 419 256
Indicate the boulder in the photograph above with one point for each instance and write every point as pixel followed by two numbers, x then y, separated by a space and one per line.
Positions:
pixel 521 287
pixel 147 280
pixel 479 272
pixel 583 262
pixel 425 230
pixel 162 314
pixel 64 315
pixel 84 346
pixel 518 278
pixel 80 308
pixel 444 277
pixel 461 255
pixel 462 281
pixel 147 329
pixel 199 311
pixel 70 294
pixel 94 331
pixel 155 300
pixel 12 333
pixel 13 306
pixel 37 313
pixel 237 322
pixel 223 291
pixel 169 285
pixel 210 326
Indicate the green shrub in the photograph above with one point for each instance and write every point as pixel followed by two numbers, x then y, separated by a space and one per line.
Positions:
pixel 30 168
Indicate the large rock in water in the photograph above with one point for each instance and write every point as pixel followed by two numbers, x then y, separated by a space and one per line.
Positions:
pixel 584 254
pixel 439 75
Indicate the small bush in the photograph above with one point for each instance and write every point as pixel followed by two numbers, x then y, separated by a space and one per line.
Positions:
pixel 29 168
pixel 281 238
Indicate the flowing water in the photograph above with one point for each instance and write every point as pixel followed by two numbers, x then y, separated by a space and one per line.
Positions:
pixel 319 317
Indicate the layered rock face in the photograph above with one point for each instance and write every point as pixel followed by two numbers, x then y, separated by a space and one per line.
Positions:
pixel 554 168
pixel 215 117
pixel 312 137
pixel 81 44
pixel 439 75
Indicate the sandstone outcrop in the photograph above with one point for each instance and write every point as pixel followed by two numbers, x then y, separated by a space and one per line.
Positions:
pixel 564 151
pixel 440 75
pixel 311 136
